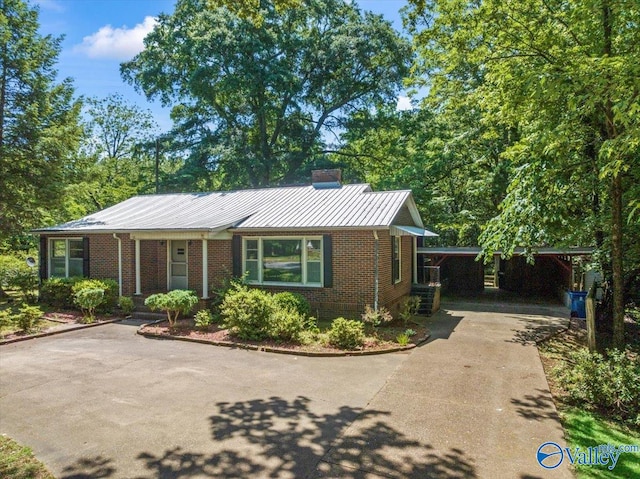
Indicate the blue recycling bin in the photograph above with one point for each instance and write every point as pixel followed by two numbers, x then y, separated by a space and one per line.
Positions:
pixel 578 304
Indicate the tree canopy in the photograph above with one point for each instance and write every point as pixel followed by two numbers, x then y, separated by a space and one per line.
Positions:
pixel 39 121
pixel 564 75
pixel 257 102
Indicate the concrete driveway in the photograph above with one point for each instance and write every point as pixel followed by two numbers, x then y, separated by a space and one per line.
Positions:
pixel 473 402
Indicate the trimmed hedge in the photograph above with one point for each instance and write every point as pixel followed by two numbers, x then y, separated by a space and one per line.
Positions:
pixel 110 287
pixel 293 301
pixel 60 292
pixel 346 333
pixel 247 312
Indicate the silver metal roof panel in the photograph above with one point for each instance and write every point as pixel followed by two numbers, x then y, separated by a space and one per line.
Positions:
pixel 350 206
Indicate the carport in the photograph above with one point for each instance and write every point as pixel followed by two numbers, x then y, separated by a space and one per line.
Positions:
pixel 553 271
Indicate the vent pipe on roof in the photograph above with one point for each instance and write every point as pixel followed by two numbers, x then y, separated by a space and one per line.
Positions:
pixel 326 178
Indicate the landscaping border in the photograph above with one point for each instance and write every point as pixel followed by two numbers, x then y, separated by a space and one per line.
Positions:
pixel 58 331
pixel 276 350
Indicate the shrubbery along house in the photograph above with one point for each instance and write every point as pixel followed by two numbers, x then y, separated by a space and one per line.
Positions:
pixel 341 246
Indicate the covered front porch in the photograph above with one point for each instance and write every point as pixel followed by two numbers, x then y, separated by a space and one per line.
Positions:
pixel 160 262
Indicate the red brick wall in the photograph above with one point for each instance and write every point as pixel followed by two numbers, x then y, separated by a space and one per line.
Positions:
pixel 220 262
pixel 392 294
pixel 352 261
pixel 353 274
pixel 152 277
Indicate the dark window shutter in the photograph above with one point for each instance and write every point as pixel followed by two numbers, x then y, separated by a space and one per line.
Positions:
pixel 85 257
pixel 236 253
pixel 43 257
pixel 394 265
pixel 327 256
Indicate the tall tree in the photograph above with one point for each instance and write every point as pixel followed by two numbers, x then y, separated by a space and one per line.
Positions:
pixel 39 120
pixel 118 156
pixel 256 101
pixel 565 74
pixel 449 159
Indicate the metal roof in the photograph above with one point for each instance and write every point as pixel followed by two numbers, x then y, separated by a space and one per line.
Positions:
pixel 348 206
pixel 475 251
pixel 411 231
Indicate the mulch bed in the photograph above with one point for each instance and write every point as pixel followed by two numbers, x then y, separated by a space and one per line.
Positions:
pixel 185 330
pixel 65 321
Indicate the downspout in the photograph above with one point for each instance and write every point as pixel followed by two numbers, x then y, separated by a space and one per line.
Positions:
pixel 375 270
pixel 119 264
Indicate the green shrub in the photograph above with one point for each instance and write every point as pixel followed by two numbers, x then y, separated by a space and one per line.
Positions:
pixel 410 332
pixel 173 303
pixel 375 318
pixel 126 304
pixel 6 318
pixel 89 299
pixel 286 325
pixel 110 287
pixel 220 291
pixel 409 308
pixel 58 292
pixel 346 333
pixel 203 318
pixel 15 274
pixel 402 339
pixel 28 317
pixel 293 301
pixel 247 312
pixel 609 384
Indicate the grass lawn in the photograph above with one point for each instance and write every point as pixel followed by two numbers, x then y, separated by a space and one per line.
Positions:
pixel 18 462
pixel 583 428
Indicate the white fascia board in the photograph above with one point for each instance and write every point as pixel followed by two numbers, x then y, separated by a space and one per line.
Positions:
pixel 181 235
pixel 413 209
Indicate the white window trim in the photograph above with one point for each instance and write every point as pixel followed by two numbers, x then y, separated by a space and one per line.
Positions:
pixel 303 260
pixel 67 254
pixel 399 240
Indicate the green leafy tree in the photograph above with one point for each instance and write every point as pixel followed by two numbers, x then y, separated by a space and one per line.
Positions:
pixel 565 76
pixel 39 121
pixel 117 156
pixel 450 161
pixel 254 103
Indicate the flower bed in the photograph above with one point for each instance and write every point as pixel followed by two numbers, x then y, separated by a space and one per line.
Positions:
pixel 382 341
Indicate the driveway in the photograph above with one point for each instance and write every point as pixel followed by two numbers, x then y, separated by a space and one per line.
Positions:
pixel 104 402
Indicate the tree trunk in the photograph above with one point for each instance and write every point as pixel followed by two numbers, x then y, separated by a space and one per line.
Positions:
pixel 616 259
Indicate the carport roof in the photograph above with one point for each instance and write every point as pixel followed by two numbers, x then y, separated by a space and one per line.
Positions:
pixel 475 251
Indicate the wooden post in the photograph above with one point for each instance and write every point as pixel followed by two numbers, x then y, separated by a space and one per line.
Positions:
pixel 591 317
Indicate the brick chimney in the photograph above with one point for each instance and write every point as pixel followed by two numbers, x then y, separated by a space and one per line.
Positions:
pixel 326 178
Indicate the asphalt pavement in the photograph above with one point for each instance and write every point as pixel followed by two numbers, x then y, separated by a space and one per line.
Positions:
pixel 107 403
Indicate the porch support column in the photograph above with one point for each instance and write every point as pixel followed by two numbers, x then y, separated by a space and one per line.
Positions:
pixel 138 281
pixel 205 269
pixel 415 259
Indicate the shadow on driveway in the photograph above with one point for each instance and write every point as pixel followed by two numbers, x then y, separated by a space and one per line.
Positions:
pixel 281 438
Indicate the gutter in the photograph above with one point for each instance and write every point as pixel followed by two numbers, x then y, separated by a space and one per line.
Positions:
pixel 119 263
pixel 375 270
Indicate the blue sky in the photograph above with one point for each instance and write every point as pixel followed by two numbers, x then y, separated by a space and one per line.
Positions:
pixel 100 34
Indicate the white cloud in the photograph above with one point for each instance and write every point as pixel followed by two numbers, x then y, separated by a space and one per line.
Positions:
pixel 117 43
pixel 404 103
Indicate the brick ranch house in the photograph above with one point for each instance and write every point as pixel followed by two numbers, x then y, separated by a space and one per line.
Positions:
pixel 341 246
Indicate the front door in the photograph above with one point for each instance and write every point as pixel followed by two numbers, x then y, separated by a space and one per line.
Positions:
pixel 178 265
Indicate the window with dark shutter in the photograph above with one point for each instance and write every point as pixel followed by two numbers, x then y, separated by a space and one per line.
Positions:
pixel 395 259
